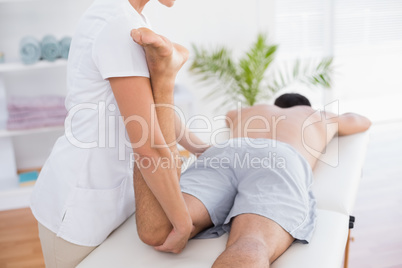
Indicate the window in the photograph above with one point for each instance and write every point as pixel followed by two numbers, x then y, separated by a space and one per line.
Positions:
pixel 364 36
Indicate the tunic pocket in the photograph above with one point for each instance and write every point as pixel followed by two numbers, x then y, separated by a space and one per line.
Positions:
pixel 93 214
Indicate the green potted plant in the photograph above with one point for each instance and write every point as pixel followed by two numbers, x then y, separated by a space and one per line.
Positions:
pixel 246 80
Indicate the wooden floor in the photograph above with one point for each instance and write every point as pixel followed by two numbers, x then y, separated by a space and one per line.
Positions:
pixel 19 242
pixel 378 211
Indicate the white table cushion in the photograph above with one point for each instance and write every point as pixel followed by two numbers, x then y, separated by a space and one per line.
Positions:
pixel 337 175
pixel 123 248
pixel 326 248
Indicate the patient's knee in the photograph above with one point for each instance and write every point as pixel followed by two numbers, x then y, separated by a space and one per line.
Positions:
pixel 244 252
pixel 252 248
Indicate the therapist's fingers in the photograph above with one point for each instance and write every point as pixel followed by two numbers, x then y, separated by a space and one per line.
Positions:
pixel 175 242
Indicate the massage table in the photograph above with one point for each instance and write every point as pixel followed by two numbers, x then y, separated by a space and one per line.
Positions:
pixel 336 182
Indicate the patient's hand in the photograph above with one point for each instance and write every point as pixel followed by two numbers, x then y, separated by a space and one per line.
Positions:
pixel 202 149
pixel 175 242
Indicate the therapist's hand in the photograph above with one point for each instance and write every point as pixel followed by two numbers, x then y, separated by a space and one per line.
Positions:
pixel 176 241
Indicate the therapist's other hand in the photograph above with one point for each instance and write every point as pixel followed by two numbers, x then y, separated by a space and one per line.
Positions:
pixel 176 241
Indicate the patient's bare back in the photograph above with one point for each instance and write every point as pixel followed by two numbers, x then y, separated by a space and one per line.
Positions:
pixel 306 130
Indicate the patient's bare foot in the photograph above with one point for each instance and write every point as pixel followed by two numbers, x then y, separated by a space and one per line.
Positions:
pixel 164 58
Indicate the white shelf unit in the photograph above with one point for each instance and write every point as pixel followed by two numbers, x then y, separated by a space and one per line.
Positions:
pixel 19 66
pixel 15 1
pixel 15 133
pixel 15 198
pixel 12 196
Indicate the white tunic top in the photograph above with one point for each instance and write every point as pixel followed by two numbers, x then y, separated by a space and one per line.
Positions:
pixel 85 189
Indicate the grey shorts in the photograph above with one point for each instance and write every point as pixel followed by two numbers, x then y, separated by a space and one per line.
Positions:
pixel 257 176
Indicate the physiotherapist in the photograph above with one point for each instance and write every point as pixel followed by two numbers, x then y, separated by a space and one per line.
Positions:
pixel 85 189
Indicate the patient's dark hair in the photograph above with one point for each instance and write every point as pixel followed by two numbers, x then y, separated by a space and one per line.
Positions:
pixel 291 99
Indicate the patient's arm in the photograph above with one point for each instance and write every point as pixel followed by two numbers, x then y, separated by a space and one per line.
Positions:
pixel 351 123
pixel 188 139
pixel 231 118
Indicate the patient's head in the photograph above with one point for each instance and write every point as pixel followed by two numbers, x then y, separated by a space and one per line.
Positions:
pixel 291 99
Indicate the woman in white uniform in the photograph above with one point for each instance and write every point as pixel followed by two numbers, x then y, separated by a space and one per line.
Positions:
pixel 85 189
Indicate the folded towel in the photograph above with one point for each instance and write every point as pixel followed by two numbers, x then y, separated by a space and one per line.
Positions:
pixel 65 47
pixel 36 115
pixel 35 112
pixel 51 49
pixel 18 103
pixel 28 178
pixel 30 124
pixel 30 50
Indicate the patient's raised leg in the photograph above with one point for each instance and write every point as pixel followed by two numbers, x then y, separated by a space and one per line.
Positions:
pixel 164 61
pixel 164 58
pixel 254 241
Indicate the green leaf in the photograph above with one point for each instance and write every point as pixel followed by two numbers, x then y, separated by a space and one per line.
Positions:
pixel 308 72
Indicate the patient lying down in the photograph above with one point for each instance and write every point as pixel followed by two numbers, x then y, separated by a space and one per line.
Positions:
pixel 256 186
